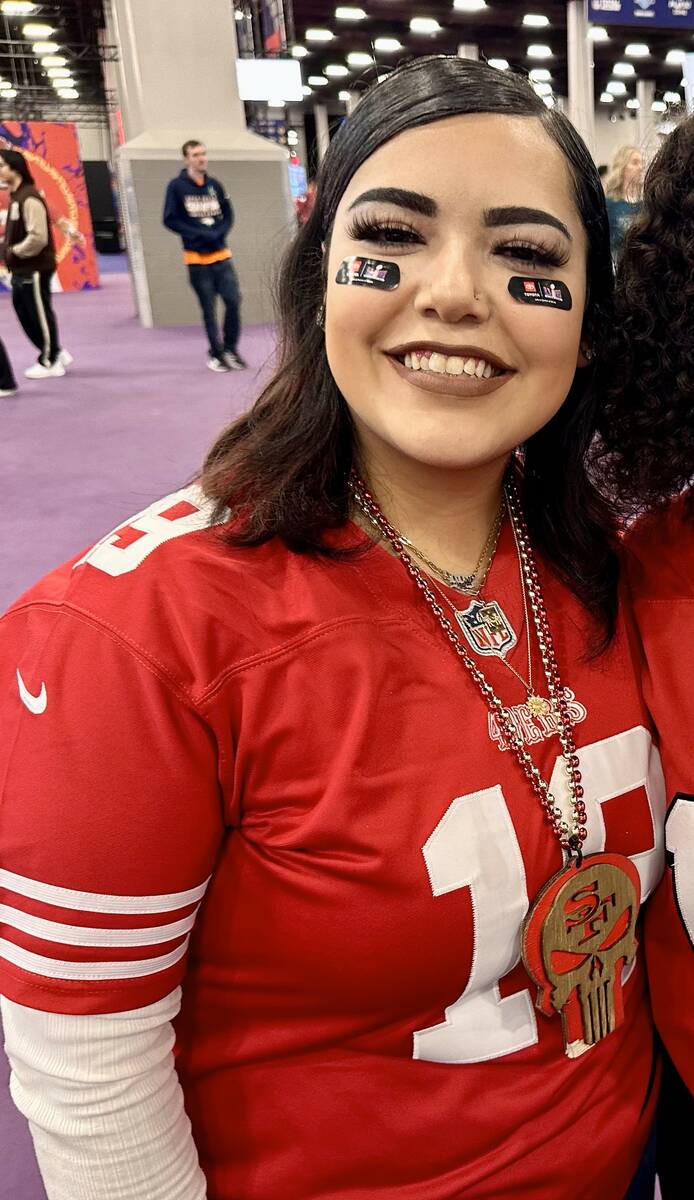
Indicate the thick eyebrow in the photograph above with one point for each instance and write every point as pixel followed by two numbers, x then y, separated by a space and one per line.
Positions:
pixel 515 215
pixel 414 201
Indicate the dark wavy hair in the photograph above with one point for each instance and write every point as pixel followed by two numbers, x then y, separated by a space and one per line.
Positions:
pixel 18 163
pixel 646 368
pixel 282 468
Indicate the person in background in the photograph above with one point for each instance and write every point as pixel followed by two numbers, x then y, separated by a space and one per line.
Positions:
pixel 8 383
pixel 30 259
pixel 623 185
pixel 198 209
pixel 602 171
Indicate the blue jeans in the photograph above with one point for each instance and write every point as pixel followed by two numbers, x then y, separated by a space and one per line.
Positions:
pixel 209 281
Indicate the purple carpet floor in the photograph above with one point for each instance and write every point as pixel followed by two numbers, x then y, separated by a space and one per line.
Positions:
pixel 130 422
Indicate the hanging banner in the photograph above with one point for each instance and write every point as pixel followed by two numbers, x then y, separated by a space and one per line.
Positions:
pixel 654 14
pixel 53 154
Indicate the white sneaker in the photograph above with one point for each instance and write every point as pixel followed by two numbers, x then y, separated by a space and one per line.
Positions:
pixel 65 358
pixel 217 364
pixel 38 371
pixel 8 392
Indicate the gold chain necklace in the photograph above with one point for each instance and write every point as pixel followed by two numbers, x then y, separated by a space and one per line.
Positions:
pixel 469 584
pixel 578 935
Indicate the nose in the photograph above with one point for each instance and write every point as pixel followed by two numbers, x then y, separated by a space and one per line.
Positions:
pixel 454 289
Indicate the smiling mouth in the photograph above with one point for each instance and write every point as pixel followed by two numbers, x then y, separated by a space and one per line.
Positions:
pixel 432 361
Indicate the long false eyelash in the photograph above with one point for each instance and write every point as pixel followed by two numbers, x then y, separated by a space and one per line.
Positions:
pixel 369 229
pixel 535 252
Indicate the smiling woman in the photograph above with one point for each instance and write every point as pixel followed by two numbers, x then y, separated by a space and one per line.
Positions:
pixel 369 688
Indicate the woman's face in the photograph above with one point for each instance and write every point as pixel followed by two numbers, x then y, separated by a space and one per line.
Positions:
pixel 450 369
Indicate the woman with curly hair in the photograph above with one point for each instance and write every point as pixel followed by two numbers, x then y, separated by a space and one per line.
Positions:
pixel 647 452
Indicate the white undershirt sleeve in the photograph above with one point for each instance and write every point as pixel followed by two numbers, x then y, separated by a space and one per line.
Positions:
pixel 104 1102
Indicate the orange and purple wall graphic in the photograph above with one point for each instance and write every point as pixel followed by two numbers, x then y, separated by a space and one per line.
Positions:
pixel 53 154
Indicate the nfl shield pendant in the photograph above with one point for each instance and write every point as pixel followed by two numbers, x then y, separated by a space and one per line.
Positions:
pixel 487 628
pixel 577 938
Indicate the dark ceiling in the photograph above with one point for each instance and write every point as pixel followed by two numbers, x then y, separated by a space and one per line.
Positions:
pixel 76 24
pixel 498 30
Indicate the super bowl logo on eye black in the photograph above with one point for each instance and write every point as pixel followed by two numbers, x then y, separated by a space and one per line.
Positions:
pixel 551 293
pixel 369 272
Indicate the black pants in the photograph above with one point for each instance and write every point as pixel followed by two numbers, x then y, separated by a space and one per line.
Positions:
pixel 31 297
pixel 209 281
pixel 7 379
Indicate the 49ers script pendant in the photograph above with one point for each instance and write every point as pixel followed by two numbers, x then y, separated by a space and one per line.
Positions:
pixel 576 940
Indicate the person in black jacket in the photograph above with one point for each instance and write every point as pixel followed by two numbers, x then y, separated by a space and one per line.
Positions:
pixel 30 258
pixel 199 210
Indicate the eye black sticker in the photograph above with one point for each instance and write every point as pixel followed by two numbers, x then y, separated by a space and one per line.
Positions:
pixel 550 292
pixel 369 272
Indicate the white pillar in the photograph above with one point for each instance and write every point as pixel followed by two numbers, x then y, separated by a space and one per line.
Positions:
pixel 320 116
pixel 177 80
pixel 689 82
pixel 645 94
pixel 581 110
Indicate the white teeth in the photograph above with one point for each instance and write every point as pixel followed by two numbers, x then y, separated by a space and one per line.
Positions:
pixel 454 364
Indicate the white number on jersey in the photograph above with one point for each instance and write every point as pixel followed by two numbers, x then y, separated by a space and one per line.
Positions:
pixel 125 548
pixel 679 841
pixel 474 845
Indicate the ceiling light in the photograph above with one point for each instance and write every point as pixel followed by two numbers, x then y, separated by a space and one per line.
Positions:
pixel 625 70
pixel 63 83
pixel 5 85
pixel 633 103
pixel 387 45
pixel 659 106
pixel 276 104
pixel 299 52
pixel 637 50
pixel 383 77
pixel 58 73
pixel 539 51
pixel 606 98
pixel 501 64
pixel 616 88
pixel 540 75
pixel 32 31
pixel 675 58
pixel 598 33
pixel 307 90
pixel 536 20
pixel 53 60
pixel 336 71
pixel 319 35
pixel 8 93
pixel 549 101
pixel 424 25
pixel 672 98
pixel 318 80
pixel 45 47
pixel 17 8
pixel 542 89
pixel 344 95
pixel 359 58
pixel 469 5
pixel 347 13
pixel 68 93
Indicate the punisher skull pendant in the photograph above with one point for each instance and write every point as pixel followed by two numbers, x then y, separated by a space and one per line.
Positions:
pixel 576 940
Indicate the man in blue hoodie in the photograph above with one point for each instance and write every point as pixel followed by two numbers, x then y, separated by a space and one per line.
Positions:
pixel 199 210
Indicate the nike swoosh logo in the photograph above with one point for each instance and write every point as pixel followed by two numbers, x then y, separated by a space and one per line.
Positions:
pixel 35 704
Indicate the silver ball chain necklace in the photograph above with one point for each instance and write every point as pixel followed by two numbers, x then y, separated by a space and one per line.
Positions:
pixel 578 933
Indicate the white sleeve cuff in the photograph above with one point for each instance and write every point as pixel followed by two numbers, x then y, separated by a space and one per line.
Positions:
pixel 104 1102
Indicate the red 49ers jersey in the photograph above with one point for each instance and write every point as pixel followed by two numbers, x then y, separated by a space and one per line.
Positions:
pixel 269 778
pixel 661 573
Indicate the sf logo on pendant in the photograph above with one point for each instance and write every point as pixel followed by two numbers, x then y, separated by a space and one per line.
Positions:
pixel 487 628
pixel 577 939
